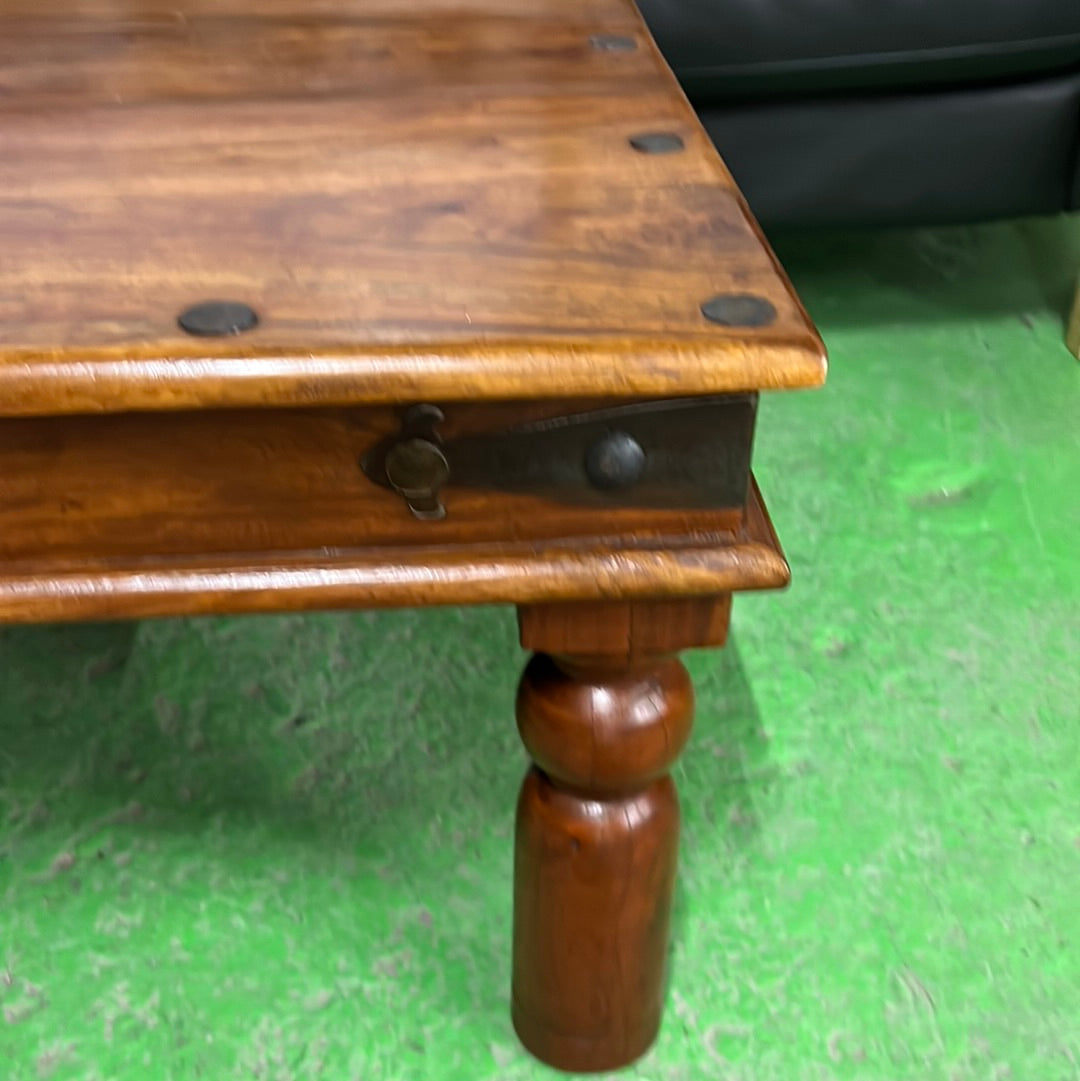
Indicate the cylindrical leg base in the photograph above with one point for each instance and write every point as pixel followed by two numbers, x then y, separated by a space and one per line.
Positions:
pixel 593 885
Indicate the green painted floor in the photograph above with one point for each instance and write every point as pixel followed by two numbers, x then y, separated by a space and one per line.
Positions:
pixel 280 849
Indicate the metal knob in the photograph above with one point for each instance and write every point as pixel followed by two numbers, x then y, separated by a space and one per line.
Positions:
pixel 615 461
pixel 416 469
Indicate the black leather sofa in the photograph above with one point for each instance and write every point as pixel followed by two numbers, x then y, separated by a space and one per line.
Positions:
pixel 885 111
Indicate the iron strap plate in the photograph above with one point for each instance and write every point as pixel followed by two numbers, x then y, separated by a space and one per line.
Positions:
pixel 675 454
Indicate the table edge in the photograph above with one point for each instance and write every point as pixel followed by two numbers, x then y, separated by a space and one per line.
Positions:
pixel 402 577
pixel 111 381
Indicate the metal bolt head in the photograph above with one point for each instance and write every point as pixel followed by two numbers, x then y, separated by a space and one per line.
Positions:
pixel 657 142
pixel 738 310
pixel 217 319
pixel 417 469
pixel 615 461
pixel 613 43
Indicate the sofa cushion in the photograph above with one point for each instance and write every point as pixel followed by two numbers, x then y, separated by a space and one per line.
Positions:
pixel 726 49
pixel 967 154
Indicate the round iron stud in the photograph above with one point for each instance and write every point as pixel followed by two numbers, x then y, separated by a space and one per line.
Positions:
pixel 738 310
pixel 217 319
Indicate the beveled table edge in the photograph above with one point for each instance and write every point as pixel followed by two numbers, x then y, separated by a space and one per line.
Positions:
pixel 400 577
pixel 113 381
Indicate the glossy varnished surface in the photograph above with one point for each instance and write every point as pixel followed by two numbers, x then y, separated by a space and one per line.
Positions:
pixel 423 202
pixel 598 823
pixel 587 567
pixel 419 199
pixel 122 487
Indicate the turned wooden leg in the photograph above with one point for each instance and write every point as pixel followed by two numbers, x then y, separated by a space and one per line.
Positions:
pixel 598 823
pixel 1072 335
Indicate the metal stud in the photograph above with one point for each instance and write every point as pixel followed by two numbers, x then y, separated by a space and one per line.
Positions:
pixel 613 43
pixel 217 319
pixel 738 310
pixel 657 142
pixel 615 461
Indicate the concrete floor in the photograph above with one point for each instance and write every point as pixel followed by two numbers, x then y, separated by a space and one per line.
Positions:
pixel 280 849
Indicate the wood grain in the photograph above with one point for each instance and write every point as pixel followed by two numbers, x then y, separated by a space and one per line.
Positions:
pixel 424 201
pixel 625 629
pixel 596 849
pixel 127 486
pixel 508 572
pixel 420 200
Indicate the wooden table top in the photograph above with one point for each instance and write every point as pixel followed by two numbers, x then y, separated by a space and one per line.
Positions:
pixel 421 199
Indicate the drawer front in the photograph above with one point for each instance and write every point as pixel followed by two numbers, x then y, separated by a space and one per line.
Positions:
pixel 128 486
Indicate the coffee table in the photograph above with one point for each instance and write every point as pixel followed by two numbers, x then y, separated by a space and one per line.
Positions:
pixel 326 303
